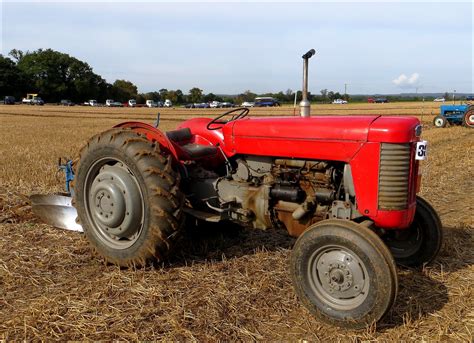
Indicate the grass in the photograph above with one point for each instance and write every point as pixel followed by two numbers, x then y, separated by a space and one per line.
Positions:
pixel 224 283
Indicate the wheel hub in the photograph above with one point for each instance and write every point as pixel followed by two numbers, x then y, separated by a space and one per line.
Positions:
pixel 339 277
pixel 115 202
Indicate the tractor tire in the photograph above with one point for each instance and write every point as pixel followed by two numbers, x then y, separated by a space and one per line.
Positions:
pixel 420 243
pixel 468 119
pixel 343 273
pixel 440 121
pixel 127 198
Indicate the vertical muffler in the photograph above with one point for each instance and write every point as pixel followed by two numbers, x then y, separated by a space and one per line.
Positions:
pixel 305 105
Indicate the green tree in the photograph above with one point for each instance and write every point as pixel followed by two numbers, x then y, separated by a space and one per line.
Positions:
pixel 152 96
pixel 59 76
pixel 163 94
pixel 324 94
pixel 331 96
pixel 12 81
pixel 195 95
pixel 179 96
pixel 123 90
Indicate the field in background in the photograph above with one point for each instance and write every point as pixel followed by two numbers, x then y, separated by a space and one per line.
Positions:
pixel 224 284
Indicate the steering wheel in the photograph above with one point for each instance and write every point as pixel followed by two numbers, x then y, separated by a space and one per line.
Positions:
pixel 240 113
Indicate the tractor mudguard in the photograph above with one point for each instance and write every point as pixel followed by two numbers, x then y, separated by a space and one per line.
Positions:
pixel 152 134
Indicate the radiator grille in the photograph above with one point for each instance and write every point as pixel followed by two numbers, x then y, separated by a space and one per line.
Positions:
pixel 394 176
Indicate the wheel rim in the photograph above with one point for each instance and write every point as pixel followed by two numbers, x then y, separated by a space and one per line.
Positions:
pixel 439 122
pixel 338 277
pixel 470 120
pixel 114 203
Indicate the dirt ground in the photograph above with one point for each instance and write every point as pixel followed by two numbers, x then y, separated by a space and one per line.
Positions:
pixel 224 283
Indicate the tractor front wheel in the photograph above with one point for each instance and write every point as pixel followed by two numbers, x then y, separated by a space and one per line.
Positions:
pixel 127 197
pixel 343 273
pixel 420 243
pixel 440 121
pixel 468 119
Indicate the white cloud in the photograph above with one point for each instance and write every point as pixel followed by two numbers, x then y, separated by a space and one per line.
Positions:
pixel 404 81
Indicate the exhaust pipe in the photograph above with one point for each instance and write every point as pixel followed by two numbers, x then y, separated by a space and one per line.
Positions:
pixel 305 105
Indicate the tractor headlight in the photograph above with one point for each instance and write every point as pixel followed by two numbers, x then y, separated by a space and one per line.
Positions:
pixel 418 130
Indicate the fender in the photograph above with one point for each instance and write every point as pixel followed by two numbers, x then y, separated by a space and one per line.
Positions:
pixel 152 134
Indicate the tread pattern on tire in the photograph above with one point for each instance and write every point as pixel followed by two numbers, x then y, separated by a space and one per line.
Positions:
pixel 378 245
pixel 162 193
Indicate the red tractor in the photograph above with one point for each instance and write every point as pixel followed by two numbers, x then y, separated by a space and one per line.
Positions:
pixel 346 186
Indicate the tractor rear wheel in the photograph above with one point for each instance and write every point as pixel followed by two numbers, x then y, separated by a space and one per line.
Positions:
pixel 343 273
pixel 127 197
pixel 468 119
pixel 421 242
pixel 440 121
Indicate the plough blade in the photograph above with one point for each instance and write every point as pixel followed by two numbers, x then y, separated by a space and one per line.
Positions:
pixel 55 210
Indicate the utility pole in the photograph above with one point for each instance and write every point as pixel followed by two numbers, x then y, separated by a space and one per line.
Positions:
pixel 345 89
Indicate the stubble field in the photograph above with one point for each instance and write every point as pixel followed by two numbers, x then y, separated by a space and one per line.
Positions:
pixel 225 283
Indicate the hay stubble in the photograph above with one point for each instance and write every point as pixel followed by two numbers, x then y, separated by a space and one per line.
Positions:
pixel 224 283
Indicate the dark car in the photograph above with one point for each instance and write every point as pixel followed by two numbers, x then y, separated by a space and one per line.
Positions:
pixel 66 103
pixel 266 102
pixel 470 98
pixel 9 100
pixel 381 100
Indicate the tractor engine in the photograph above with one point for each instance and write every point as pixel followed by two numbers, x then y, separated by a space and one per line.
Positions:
pixel 265 192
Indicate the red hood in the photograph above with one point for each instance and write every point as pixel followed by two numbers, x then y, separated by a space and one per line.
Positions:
pixel 341 128
pixel 346 128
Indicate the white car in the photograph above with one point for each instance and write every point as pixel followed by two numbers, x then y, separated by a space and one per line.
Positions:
pixel 339 101
pixel 439 100
pixel 215 104
pixel 248 104
pixel 151 103
pixel 168 103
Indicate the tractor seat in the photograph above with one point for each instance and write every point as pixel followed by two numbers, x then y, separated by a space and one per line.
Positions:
pixel 183 138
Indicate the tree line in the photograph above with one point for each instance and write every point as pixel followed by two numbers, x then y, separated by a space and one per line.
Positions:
pixel 56 76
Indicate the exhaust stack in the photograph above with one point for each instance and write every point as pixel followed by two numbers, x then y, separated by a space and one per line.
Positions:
pixel 305 105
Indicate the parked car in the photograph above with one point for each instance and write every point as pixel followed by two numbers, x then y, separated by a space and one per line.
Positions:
pixel 153 103
pixel 381 100
pixel 227 104
pixel 66 102
pixel 370 100
pixel 215 104
pixel 339 101
pixel 132 103
pixel 32 99
pixel 112 103
pixel 9 100
pixel 266 102
pixel 247 104
pixel 189 106
pixel 201 105
pixel 91 103
pixel 439 100
pixel 168 103
pixel 470 98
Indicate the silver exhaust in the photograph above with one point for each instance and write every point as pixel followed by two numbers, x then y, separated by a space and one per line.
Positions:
pixel 305 104
pixel 55 210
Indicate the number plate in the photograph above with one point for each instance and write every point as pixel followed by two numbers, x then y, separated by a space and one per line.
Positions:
pixel 421 150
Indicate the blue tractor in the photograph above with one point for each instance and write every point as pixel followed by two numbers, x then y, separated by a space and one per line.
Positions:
pixel 455 115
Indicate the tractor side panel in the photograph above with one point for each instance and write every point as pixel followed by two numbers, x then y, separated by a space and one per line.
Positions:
pixel 365 174
pixel 293 148
pixel 318 138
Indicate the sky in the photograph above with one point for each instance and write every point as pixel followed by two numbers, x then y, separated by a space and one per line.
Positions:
pixel 230 47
